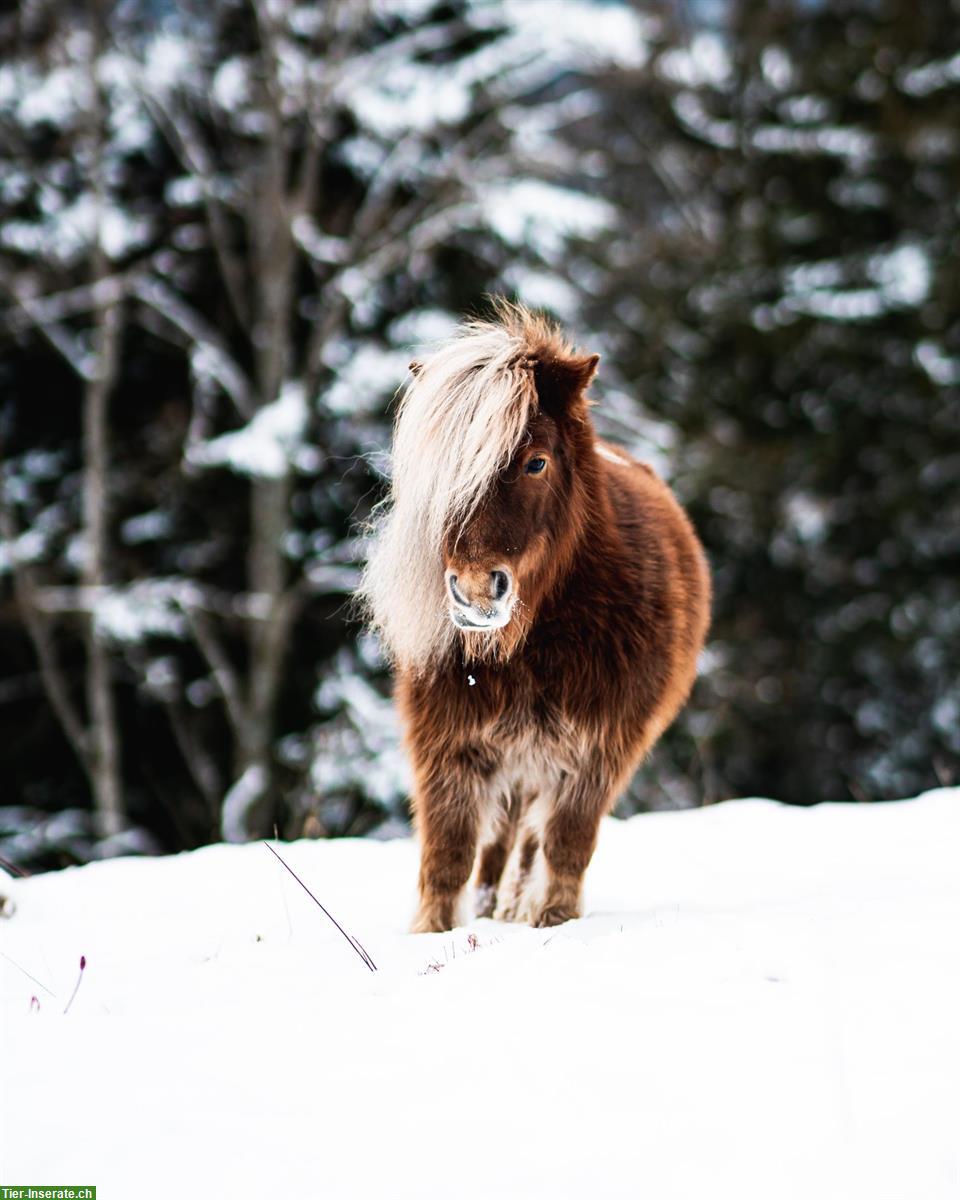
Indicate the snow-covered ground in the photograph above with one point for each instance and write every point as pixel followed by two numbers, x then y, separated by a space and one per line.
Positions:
pixel 761 1002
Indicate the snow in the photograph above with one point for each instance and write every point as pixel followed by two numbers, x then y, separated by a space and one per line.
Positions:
pixel 359 748
pixel 369 374
pixel 901 278
pixel 835 141
pixel 422 327
pixel 269 446
pixel 147 607
pixel 169 62
pixel 53 98
pixel 931 77
pixel 804 110
pixel 239 801
pixel 541 215
pixel 778 68
pixel 940 368
pixel 704 61
pixel 393 96
pixel 28 547
pixel 690 111
pixel 184 192
pixel 147 527
pixel 231 85
pixel 760 1001
pixel 581 31
pixel 409 10
pixel 318 246
pixel 542 289
pixel 858 193
pixel 807 515
pixel 69 230
pixel 410 98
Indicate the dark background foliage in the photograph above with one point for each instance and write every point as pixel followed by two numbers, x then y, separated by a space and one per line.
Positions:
pixel 224 228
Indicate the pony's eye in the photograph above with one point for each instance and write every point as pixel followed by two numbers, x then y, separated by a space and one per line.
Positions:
pixel 535 466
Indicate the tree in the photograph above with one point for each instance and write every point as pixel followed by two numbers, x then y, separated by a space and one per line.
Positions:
pixel 788 306
pixel 294 196
pixel 78 249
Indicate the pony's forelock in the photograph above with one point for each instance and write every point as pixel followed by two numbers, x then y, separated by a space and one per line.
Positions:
pixel 460 421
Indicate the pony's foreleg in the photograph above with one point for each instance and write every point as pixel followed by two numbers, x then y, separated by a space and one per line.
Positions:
pixel 494 856
pixel 448 824
pixel 569 841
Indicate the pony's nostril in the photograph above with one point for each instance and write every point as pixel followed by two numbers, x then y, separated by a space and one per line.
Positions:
pixel 455 592
pixel 501 584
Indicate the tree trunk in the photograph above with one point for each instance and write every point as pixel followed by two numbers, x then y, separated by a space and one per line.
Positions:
pixel 103 742
pixel 267 571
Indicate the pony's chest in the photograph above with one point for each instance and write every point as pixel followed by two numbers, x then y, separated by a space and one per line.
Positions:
pixel 517 709
pixel 526 721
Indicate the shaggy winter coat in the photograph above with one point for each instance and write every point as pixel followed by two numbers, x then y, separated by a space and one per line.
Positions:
pixel 544 599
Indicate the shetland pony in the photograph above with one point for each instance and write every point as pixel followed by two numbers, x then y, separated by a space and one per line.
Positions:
pixel 543 598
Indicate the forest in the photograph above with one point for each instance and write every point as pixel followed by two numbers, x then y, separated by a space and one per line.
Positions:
pixel 226 228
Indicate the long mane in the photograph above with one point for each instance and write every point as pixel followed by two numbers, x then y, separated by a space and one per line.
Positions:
pixel 460 420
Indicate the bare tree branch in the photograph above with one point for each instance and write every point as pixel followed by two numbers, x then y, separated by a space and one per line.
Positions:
pixel 65 343
pixel 169 305
pixel 41 635
pixel 224 674
pixel 56 306
pixel 187 143
pixel 199 763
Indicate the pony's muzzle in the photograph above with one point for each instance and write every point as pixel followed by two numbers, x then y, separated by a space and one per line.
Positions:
pixel 480 599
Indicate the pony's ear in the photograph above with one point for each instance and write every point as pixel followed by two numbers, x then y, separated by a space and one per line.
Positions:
pixel 562 381
pixel 582 370
pixel 416 366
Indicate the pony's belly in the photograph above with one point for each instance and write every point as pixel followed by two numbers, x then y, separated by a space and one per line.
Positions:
pixel 537 757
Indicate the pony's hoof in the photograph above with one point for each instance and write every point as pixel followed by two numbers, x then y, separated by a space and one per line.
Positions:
pixel 427 924
pixel 555 914
pixel 435 915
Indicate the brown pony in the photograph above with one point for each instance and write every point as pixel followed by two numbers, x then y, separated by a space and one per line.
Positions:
pixel 544 600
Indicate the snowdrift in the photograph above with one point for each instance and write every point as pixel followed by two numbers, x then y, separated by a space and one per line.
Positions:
pixel 760 1001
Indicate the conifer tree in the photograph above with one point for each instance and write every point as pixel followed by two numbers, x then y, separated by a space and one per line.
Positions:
pixel 788 303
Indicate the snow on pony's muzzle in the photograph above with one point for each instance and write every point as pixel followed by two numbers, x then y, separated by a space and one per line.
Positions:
pixel 473 620
pixel 480 600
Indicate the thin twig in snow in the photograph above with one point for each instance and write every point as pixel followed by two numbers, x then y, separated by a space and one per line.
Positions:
pixel 353 943
pixel 366 957
pixel 13 868
pixel 76 986
pixel 27 973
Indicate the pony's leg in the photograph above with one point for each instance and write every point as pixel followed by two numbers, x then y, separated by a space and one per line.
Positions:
pixel 493 858
pixel 515 891
pixel 448 824
pixel 569 841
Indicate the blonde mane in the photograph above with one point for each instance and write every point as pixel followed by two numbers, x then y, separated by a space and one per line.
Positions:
pixel 460 420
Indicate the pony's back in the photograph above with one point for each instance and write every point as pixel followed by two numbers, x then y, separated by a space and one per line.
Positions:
pixel 665 568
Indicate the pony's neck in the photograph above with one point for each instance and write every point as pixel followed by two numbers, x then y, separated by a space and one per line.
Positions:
pixel 591 519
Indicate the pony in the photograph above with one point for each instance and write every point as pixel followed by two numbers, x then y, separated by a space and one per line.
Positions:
pixel 543 600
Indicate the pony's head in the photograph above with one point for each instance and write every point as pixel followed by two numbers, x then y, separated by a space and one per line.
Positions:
pixel 493 471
